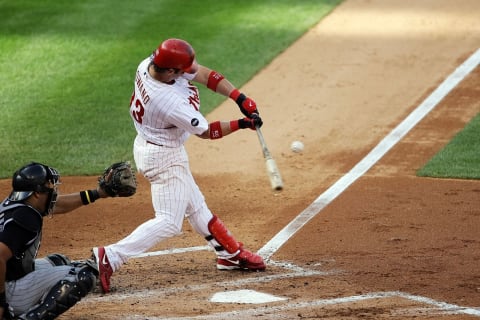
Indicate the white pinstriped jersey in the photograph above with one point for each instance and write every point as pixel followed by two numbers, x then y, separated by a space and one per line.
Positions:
pixel 165 114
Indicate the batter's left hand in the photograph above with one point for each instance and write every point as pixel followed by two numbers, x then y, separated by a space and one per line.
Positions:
pixel 246 104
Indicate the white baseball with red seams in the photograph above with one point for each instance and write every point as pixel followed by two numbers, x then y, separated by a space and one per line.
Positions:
pixel 297 146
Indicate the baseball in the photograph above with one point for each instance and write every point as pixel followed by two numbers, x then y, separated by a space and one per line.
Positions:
pixel 297 146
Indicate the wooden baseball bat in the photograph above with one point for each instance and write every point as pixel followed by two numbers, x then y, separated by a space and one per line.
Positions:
pixel 272 169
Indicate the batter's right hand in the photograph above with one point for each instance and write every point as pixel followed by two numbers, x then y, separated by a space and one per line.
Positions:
pixel 252 123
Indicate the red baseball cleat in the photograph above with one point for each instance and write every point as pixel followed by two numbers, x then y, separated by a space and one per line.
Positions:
pixel 244 260
pixel 104 269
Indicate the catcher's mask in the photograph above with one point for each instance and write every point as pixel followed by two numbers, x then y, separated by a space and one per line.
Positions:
pixel 175 54
pixel 34 177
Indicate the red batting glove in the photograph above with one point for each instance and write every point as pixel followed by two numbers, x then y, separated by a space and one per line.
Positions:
pixel 246 105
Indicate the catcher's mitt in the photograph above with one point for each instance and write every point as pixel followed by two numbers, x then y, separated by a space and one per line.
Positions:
pixel 118 180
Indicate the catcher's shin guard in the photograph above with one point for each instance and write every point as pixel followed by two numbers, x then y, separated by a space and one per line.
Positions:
pixel 220 237
pixel 58 259
pixel 62 296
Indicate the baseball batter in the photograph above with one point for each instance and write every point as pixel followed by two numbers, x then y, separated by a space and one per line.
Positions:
pixel 165 109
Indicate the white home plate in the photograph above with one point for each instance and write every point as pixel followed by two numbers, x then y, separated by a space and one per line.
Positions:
pixel 244 296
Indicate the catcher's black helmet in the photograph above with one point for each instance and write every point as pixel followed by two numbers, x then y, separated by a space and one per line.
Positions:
pixel 31 178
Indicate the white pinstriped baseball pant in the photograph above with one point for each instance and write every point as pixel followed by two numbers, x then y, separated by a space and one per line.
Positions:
pixel 175 195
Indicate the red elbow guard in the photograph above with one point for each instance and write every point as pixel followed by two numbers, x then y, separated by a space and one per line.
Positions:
pixel 213 79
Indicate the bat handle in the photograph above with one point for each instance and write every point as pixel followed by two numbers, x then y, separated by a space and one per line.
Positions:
pixel 260 136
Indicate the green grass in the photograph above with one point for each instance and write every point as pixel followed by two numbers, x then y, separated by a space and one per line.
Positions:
pixel 67 67
pixel 460 158
pixel 66 72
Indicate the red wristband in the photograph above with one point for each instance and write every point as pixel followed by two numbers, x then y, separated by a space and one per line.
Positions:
pixel 234 126
pixel 216 130
pixel 234 94
pixel 213 79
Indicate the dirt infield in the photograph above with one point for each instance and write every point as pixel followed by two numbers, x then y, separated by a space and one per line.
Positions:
pixel 392 245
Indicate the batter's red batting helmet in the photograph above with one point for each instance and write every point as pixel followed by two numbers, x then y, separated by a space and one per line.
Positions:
pixel 176 54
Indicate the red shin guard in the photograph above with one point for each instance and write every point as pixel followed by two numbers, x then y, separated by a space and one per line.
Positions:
pixel 222 235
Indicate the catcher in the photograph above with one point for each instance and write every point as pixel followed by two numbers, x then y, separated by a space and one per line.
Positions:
pixel 43 288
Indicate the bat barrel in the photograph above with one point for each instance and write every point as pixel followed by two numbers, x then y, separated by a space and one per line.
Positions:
pixel 271 166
